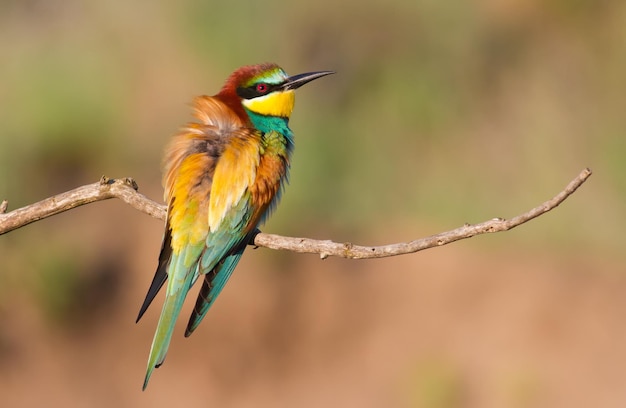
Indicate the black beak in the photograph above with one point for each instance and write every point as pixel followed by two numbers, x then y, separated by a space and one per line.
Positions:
pixel 296 81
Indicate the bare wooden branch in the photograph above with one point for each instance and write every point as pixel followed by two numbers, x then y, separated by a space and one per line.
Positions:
pixel 348 250
pixel 126 190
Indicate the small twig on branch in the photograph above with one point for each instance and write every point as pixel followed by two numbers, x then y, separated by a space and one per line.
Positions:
pixel 126 190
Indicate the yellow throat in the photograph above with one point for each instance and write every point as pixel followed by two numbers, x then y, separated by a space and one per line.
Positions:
pixel 279 103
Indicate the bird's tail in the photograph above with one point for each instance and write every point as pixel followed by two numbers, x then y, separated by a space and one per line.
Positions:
pixel 212 285
pixel 180 281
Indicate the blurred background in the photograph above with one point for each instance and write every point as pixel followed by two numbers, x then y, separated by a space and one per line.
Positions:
pixel 441 113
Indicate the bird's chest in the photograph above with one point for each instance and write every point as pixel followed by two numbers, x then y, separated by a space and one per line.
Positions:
pixel 273 168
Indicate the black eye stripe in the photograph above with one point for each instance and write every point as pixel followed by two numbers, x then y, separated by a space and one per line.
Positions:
pixel 251 92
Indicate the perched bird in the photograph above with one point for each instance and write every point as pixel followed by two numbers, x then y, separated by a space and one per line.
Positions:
pixel 222 176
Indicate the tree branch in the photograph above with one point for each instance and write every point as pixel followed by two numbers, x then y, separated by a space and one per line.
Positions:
pixel 126 190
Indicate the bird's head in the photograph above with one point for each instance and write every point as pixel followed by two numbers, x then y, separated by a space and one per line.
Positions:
pixel 266 89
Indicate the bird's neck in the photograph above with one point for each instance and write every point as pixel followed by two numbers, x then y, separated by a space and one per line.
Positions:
pixel 268 124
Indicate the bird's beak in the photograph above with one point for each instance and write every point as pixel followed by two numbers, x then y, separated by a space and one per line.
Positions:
pixel 296 81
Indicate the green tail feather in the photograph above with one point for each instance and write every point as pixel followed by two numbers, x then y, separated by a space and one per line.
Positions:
pixel 180 281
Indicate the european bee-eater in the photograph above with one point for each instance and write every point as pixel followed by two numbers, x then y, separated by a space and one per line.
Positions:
pixel 222 177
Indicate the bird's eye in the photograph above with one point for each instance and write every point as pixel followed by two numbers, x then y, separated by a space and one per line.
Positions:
pixel 261 88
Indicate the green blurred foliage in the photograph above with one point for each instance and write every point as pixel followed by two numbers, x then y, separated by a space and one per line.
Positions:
pixel 57 286
pixel 436 385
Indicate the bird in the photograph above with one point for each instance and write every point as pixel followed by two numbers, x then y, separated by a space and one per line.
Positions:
pixel 223 174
